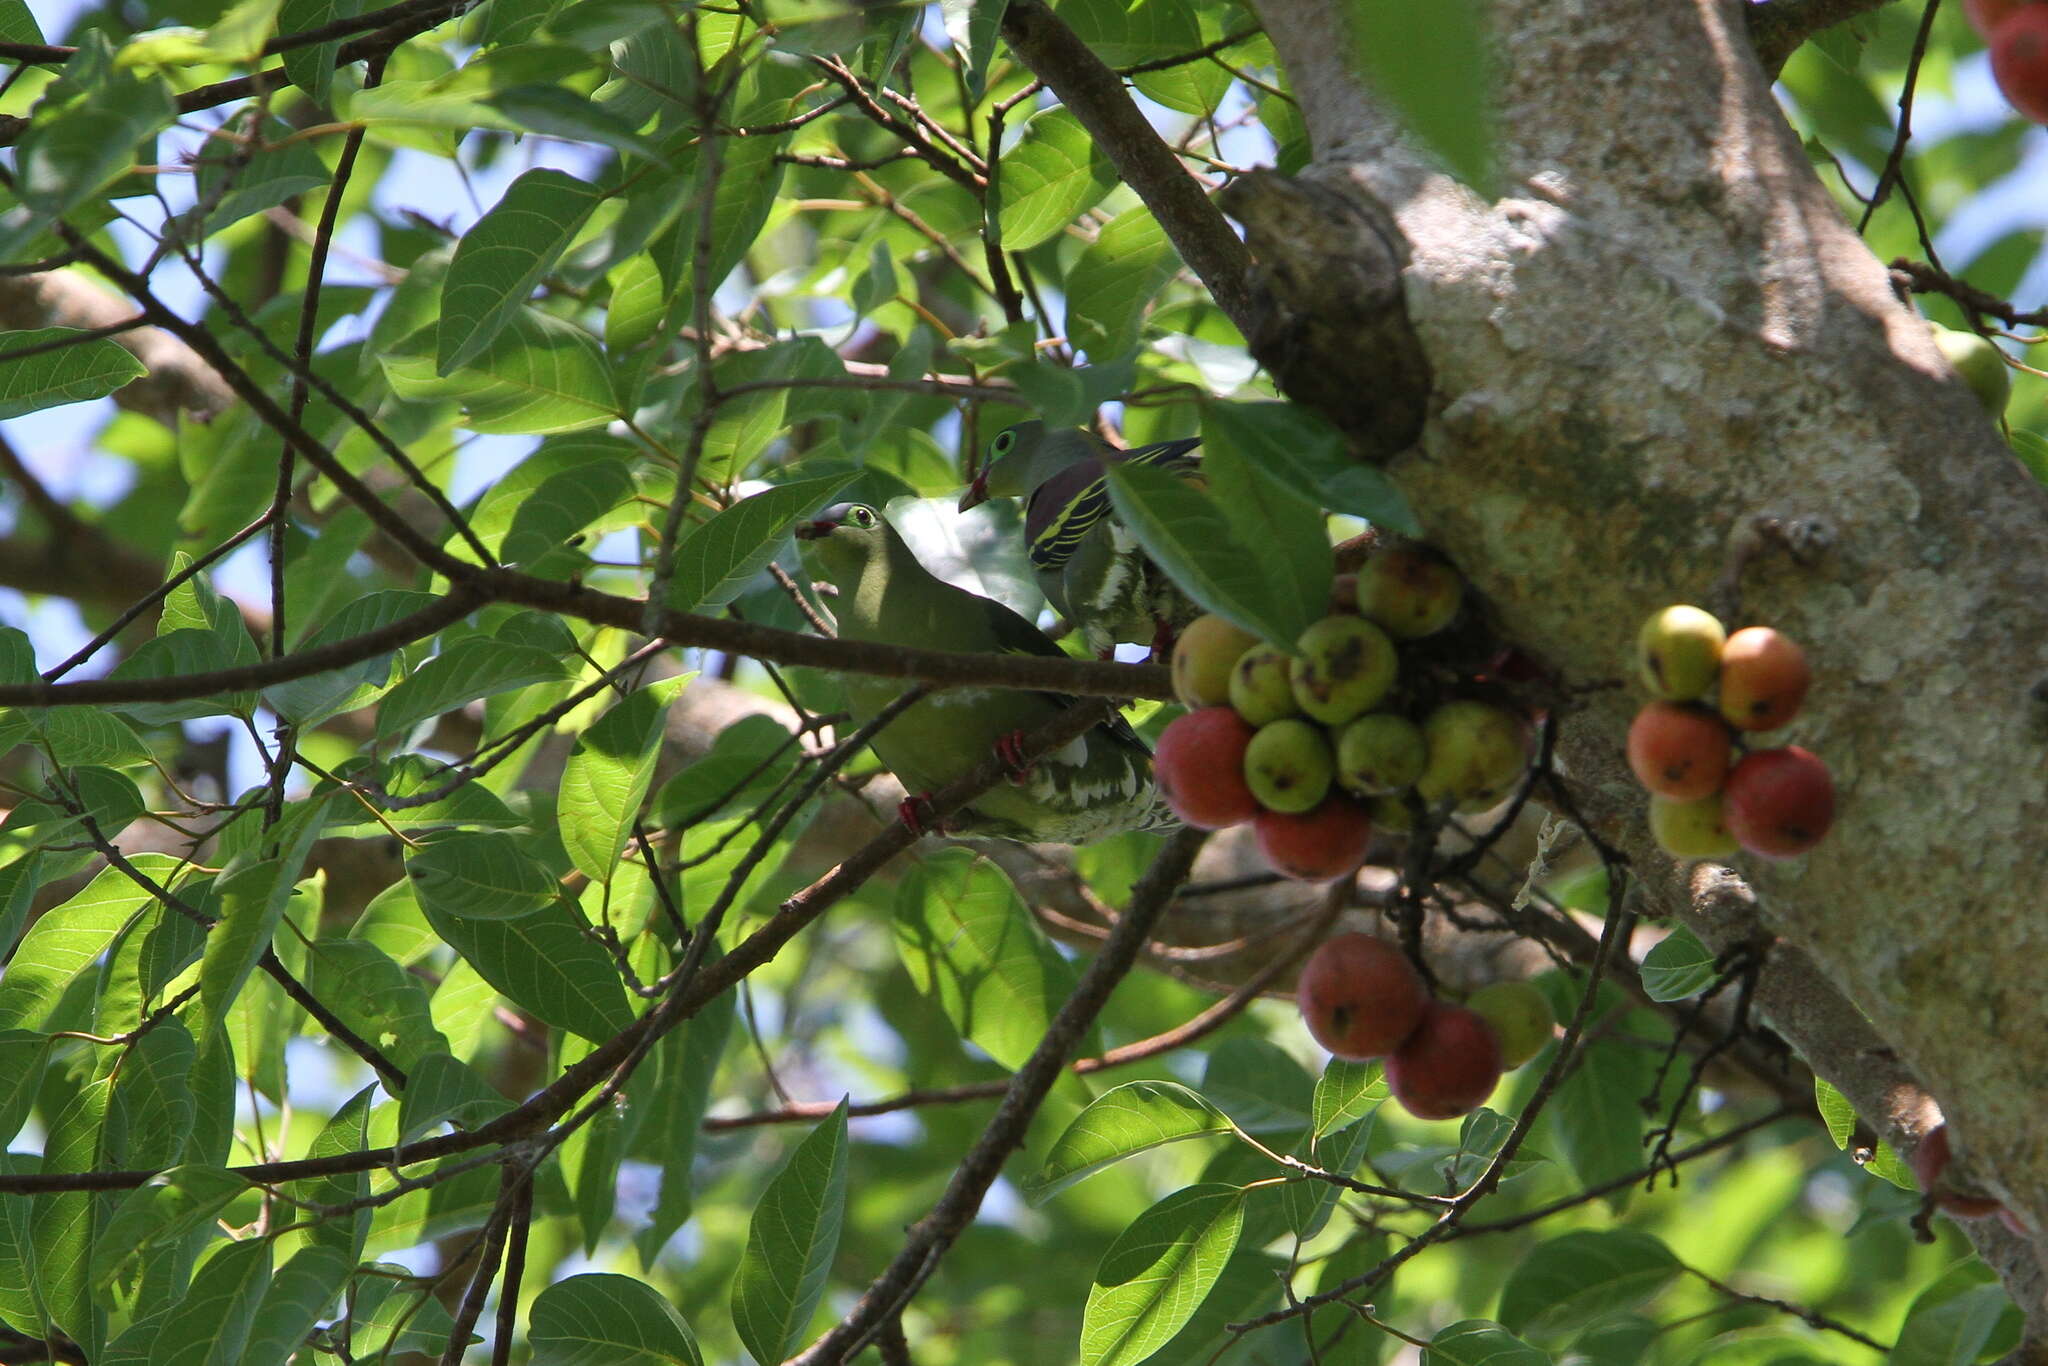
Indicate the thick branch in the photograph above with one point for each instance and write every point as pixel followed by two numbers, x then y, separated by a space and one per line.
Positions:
pixel 1096 96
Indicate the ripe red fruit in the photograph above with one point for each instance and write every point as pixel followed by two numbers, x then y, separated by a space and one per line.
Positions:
pixel 1360 996
pixel 1679 752
pixel 1199 764
pixel 1779 802
pixel 1986 15
pixel 1764 675
pixel 1448 1066
pixel 1317 845
pixel 1930 1160
pixel 2019 60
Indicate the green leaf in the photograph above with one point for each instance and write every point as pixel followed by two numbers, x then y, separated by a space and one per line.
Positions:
pixel 970 944
pixel 1431 63
pixel 1188 536
pixel 1596 1116
pixel 474 667
pixel 312 68
pixel 1310 1203
pixel 83 137
pixel 1308 454
pixel 749 178
pixel 1122 1122
pixel 1475 1342
pixel 149 1115
pixel 607 776
pixel 1840 1118
pixel 480 875
pixel 1960 1319
pixel 604 1320
pixel 236 36
pixel 1678 966
pixel 66 940
pixel 1345 1094
pixel 238 180
pixel 547 963
pixel 1053 174
pixel 321 695
pixel 349 1131
pixel 1568 1282
pixel 1158 1272
pixel 541 375
pixel 685 1065
pixel 442 1089
pixel 70 374
pixel 169 1207
pixel 972 25
pixel 17 1251
pixel 715 563
pixel 298 1298
pixel 1258 1084
pixel 18 23
pixel 1282 524
pixel 2032 449
pixel 209 1325
pixel 1114 282
pixel 375 997
pixel 503 257
pixel 22 1054
pixel 790 1244
pixel 63 1223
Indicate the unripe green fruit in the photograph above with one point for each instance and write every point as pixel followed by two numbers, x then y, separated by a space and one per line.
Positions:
pixel 1477 751
pixel 1981 365
pixel 1289 766
pixel 1391 816
pixel 1520 1014
pixel 1678 651
pixel 1260 686
pixel 1202 658
pixel 1693 829
pixel 1380 753
pixel 1342 668
pixel 1409 591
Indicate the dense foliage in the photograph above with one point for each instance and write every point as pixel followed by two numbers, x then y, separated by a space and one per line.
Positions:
pixel 439 895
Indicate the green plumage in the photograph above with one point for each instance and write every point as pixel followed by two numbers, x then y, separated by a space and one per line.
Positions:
pixel 1099 785
pixel 1087 564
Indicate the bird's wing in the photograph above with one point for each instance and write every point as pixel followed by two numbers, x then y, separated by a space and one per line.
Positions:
pixel 1068 506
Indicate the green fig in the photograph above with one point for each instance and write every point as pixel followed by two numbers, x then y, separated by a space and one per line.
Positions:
pixel 1409 591
pixel 1288 765
pixel 1694 829
pixel 1380 753
pixel 1343 667
pixel 1678 652
pixel 1520 1014
pixel 1202 659
pixel 1260 685
pixel 1477 752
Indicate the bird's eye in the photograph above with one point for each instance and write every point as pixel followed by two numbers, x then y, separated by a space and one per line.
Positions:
pixel 1005 440
pixel 862 517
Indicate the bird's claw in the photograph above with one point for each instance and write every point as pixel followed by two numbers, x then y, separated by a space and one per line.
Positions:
pixel 915 811
pixel 1010 749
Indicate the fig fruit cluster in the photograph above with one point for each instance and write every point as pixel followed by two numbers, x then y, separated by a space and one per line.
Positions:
pixel 2017 33
pixel 1314 745
pixel 1708 797
pixel 1361 998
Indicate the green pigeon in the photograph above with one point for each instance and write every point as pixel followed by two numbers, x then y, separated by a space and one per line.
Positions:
pixel 1087 563
pixel 1097 785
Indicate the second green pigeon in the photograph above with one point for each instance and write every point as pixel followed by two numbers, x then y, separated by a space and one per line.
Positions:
pixel 1087 563
pixel 1096 786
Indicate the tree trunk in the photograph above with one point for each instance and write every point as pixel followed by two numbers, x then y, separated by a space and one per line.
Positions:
pixel 1663 360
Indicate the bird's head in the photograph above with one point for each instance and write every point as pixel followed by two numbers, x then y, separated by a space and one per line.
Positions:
pixel 845 537
pixel 1008 470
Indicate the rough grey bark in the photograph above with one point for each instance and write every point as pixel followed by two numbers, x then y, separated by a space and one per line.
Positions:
pixel 1661 347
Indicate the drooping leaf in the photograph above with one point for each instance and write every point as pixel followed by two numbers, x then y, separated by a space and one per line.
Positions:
pixel 1129 1119
pixel 71 373
pixel 790 1244
pixel 1569 1281
pixel 596 1319
pixel 1054 173
pixel 1678 966
pixel 716 561
pixel 503 257
pixel 1476 1342
pixel 1158 1272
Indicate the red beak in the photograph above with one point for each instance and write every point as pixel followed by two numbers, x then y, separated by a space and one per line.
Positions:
pixel 977 492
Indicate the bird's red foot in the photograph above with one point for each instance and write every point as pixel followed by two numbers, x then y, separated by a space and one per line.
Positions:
pixel 1163 638
pixel 1010 749
pixel 915 811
